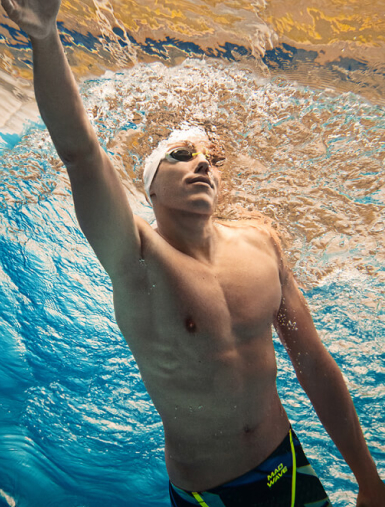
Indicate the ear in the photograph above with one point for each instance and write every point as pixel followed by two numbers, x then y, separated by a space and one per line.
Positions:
pixel 151 189
pixel 148 199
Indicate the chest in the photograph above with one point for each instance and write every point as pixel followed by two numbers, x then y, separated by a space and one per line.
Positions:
pixel 239 294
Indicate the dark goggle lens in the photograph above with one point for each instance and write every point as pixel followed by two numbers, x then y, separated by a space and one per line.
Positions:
pixel 218 161
pixel 182 155
pixel 185 155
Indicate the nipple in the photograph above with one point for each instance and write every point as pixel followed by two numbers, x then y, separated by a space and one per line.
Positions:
pixel 190 325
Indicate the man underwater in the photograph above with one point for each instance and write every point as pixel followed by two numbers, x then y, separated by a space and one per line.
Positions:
pixel 196 302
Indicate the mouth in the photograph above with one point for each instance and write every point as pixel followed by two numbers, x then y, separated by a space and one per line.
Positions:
pixel 202 179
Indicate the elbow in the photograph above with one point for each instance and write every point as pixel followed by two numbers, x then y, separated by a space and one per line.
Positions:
pixel 74 146
pixel 313 372
pixel 84 156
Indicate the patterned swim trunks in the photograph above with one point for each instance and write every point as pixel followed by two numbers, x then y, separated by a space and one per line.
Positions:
pixel 285 478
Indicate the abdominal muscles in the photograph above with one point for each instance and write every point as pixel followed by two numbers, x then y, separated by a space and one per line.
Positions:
pixel 214 401
pixel 221 418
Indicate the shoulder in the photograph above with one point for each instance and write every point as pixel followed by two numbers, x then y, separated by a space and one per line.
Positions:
pixel 261 235
pixel 253 231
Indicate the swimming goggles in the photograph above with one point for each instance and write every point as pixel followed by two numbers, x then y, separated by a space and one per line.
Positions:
pixel 187 154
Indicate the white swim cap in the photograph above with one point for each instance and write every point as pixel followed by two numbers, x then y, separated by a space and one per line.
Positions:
pixel 152 162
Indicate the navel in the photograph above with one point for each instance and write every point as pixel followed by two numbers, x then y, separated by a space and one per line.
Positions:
pixel 248 429
pixel 190 325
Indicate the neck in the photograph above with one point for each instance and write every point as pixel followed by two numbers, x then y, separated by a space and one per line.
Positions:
pixel 191 233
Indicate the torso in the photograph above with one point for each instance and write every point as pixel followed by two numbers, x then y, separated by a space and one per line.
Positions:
pixel 202 337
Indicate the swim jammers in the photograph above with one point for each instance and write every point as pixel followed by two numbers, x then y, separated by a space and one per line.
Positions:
pixel 285 479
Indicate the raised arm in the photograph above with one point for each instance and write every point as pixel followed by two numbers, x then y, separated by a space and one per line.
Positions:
pixel 100 200
pixel 322 381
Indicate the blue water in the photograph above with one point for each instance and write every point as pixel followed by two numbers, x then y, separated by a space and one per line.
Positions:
pixel 77 427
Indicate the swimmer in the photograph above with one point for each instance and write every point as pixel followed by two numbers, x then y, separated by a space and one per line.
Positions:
pixel 196 302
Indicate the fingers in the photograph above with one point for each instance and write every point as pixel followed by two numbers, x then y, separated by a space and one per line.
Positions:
pixel 9 6
pixel 12 8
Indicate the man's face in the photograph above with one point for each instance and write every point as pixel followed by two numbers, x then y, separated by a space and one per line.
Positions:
pixel 190 185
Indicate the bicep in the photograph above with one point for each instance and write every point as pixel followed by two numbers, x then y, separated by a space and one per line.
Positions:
pixel 103 211
pixel 297 332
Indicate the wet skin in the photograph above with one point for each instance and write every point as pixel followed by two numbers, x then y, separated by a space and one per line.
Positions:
pixel 200 328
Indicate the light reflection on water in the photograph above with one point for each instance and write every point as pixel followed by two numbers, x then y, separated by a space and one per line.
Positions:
pixel 77 427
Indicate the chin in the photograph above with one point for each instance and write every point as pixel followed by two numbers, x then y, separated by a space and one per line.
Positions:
pixel 202 205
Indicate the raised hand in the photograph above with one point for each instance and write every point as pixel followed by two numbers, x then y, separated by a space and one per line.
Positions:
pixel 36 17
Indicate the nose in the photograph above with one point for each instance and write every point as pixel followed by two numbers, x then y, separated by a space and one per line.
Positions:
pixel 203 165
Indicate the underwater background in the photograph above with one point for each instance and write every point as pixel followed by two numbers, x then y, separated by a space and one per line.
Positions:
pixel 295 92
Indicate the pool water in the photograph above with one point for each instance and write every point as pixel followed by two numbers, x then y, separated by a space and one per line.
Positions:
pixel 77 427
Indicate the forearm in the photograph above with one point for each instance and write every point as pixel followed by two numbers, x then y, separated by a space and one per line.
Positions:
pixel 329 395
pixel 59 100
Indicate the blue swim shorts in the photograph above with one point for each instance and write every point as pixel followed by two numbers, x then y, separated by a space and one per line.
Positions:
pixel 284 479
